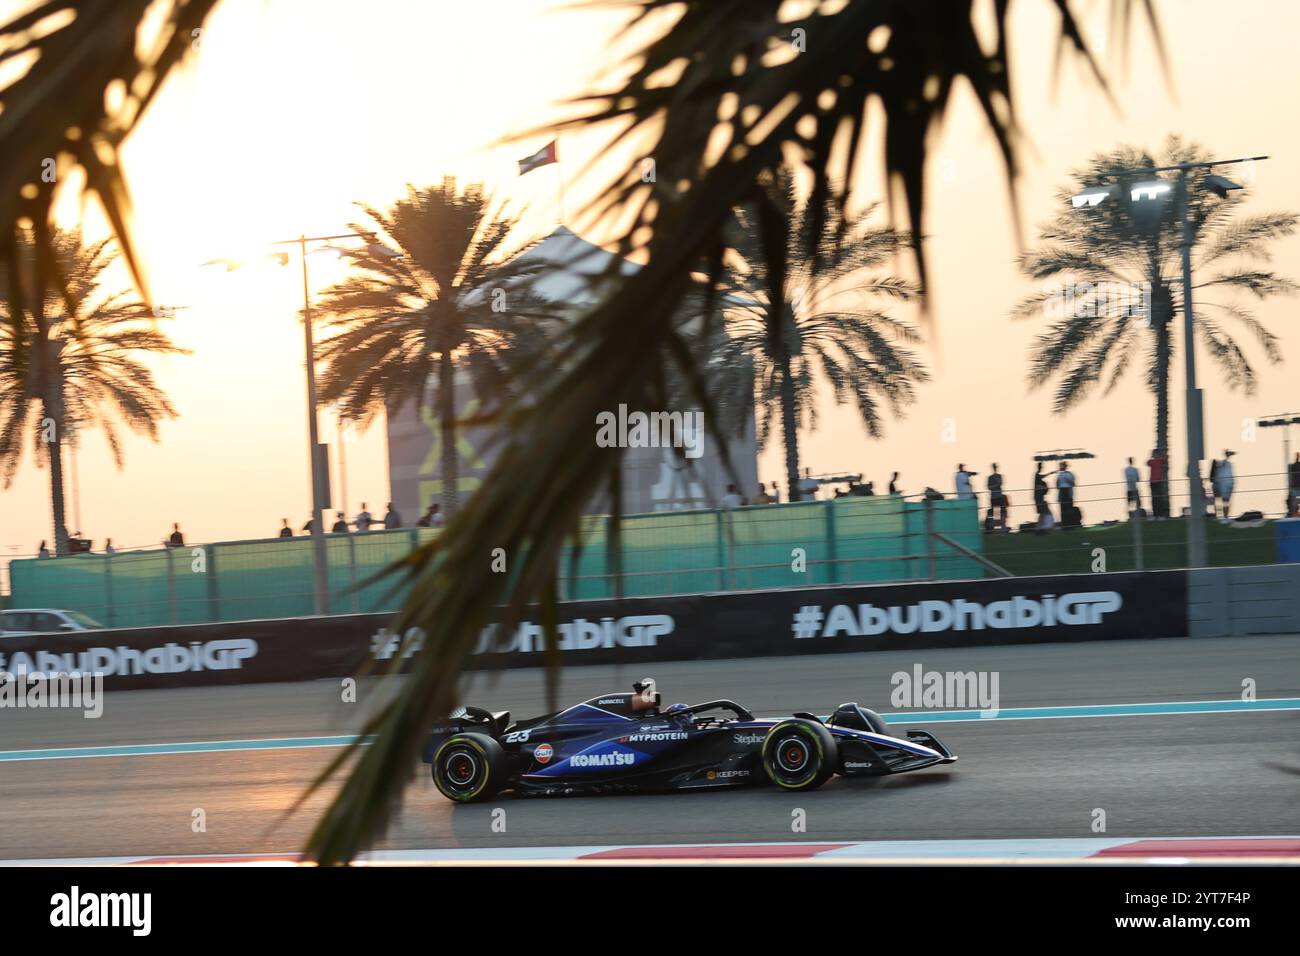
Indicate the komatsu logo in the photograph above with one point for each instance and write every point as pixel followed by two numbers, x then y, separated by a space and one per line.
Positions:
pixel 618 758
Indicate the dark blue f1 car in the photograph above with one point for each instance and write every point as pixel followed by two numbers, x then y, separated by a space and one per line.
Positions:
pixel 623 742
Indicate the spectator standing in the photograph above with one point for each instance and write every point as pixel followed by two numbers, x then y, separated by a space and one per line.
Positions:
pixel 176 539
pixel 732 498
pixel 1065 496
pixel 762 498
pixel 893 484
pixel 1158 476
pixel 392 519
pixel 364 518
pixel 43 551
pixel 285 530
pixel 1131 493
pixel 340 523
pixel 962 481
pixel 997 497
pixel 432 517
pixel 1223 480
pixel 108 546
pixel 1040 497
pixel 1293 477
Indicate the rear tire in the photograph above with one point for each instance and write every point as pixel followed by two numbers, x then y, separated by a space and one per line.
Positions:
pixel 469 767
pixel 799 754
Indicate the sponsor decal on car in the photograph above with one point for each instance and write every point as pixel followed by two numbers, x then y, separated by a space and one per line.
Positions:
pixel 543 753
pixel 857 764
pixel 748 738
pixel 618 758
pixel 655 738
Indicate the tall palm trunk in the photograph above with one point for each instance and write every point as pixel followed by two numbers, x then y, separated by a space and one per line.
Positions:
pixel 447 422
pixel 789 428
pixel 1162 320
pixel 52 413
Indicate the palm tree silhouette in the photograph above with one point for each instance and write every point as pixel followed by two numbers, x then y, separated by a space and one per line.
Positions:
pixel 435 302
pixel 815 320
pixel 81 367
pixel 1125 263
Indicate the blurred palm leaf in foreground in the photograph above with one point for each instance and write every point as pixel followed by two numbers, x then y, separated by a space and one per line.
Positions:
pixel 91 72
pixel 726 92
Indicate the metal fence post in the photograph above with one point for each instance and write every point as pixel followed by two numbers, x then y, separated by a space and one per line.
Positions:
pixel 108 589
pixel 831 553
pixel 929 540
pixel 214 594
pixel 1139 561
pixel 722 556
pixel 171 586
pixel 352 570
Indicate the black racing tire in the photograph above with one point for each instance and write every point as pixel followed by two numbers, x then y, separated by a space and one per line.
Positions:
pixel 469 767
pixel 799 754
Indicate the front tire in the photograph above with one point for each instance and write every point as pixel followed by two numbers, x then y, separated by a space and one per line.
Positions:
pixel 469 767
pixel 799 754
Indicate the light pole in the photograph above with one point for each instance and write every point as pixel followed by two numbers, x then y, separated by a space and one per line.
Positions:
pixel 319 453
pixel 1143 191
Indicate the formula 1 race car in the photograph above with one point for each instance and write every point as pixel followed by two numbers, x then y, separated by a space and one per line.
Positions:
pixel 623 742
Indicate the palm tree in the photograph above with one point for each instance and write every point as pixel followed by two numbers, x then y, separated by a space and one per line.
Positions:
pixel 1124 266
pixel 721 92
pixel 784 343
pixel 83 367
pixel 435 302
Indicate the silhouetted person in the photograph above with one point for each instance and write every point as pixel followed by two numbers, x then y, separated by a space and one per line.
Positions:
pixel 1131 493
pixel 1293 476
pixel 732 499
pixel 364 518
pixel 997 497
pixel 1158 476
pixel 1223 480
pixel 285 530
pixel 893 484
pixel 1065 495
pixel 962 481
pixel 432 517
pixel 43 551
pixel 176 539
pixel 108 546
pixel 392 519
pixel 340 523
pixel 1040 497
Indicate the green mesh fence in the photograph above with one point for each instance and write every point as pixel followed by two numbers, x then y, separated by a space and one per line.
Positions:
pixel 841 541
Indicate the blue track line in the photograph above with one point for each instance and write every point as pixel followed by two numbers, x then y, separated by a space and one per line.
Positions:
pixel 1168 709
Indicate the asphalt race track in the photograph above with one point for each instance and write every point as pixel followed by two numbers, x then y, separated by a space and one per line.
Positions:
pixel 1171 774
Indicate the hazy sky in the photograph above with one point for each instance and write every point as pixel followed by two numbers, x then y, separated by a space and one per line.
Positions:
pixel 292 110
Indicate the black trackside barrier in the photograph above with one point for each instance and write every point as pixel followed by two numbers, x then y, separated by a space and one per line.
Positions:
pixel 819 620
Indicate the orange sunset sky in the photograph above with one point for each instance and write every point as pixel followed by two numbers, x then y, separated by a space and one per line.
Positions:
pixel 293 110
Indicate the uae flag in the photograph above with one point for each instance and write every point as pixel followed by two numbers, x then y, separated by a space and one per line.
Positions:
pixel 543 157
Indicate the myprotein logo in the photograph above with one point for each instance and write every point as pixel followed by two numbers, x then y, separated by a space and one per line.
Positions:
pixel 1075 609
pixel 170 658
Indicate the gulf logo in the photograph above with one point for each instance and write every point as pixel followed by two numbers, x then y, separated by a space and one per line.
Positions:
pixel 543 753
